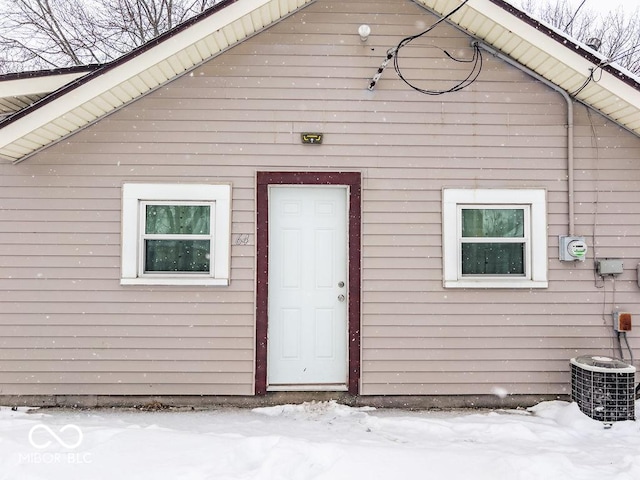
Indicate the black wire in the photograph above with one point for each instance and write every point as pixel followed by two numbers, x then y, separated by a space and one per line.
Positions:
pixel 624 53
pixel 626 340
pixel 574 16
pixel 620 347
pixel 411 38
pixel 470 78
pixel 591 78
pixel 584 85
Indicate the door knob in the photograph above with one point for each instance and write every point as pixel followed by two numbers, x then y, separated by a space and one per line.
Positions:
pixel 341 297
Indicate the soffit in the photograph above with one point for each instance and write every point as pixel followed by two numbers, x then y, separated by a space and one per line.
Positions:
pixel 18 91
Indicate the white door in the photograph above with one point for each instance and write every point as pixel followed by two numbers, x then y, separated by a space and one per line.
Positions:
pixel 308 328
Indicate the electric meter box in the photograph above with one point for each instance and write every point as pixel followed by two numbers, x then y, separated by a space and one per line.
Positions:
pixel 572 249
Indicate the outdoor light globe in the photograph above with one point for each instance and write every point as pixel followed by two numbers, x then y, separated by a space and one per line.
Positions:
pixel 364 31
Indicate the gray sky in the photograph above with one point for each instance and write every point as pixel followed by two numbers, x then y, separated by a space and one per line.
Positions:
pixel 601 6
pixel 605 6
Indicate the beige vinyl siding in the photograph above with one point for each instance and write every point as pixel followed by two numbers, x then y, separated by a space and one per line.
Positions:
pixel 68 327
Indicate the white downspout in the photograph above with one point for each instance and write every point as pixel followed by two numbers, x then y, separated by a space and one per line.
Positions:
pixel 570 148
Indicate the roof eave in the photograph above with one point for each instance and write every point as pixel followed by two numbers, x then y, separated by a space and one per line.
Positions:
pixel 92 96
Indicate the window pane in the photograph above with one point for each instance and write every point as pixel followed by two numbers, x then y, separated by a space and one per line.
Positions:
pixel 177 219
pixel 492 222
pixel 177 255
pixel 493 259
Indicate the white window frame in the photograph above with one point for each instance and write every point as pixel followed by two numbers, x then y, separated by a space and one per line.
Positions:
pixel 135 195
pixel 532 200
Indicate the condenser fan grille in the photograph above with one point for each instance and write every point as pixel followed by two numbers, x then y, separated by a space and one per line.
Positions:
pixel 603 388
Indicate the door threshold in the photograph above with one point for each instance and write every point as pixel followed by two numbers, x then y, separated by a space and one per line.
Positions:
pixel 308 388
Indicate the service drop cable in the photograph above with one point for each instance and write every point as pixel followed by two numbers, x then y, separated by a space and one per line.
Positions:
pixel 589 79
pixel 592 71
pixel 393 52
pixel 624 54
pixel 470 78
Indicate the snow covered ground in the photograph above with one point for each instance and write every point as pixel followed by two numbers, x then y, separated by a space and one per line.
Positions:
pixel 553 440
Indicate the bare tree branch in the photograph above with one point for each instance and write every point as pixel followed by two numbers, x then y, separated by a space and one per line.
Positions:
pixel 619 30
pixel 38 34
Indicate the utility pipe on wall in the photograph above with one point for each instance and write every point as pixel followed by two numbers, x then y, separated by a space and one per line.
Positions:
pixel 570 160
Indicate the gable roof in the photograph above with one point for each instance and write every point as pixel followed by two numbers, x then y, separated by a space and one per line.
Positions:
pixel 70 99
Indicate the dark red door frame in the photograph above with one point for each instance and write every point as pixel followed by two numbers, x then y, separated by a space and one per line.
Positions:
pixel 353 180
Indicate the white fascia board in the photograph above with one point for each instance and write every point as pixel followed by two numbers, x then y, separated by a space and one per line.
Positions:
pixel 104 82
pixel 37 85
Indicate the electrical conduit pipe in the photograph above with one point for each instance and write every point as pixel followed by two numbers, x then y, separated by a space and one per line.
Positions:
pixel 570 159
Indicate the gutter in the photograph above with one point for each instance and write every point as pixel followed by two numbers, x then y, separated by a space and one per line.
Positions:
pixel 570 147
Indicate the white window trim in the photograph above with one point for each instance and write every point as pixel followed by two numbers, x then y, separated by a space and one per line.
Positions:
pixel 135 193
pixel 536 268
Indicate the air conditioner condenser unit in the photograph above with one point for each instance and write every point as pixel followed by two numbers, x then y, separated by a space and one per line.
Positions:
pixel 603 388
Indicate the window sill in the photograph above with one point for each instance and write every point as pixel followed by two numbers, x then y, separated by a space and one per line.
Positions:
pixel 221 282
pixel 507 283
